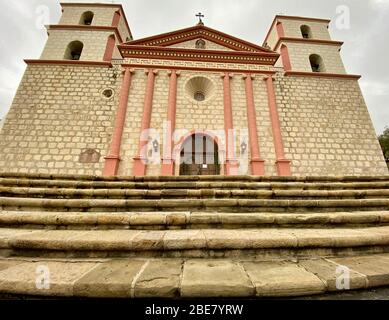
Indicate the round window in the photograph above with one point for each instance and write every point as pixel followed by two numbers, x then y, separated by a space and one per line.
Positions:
pixel 199 96
pixel 108 93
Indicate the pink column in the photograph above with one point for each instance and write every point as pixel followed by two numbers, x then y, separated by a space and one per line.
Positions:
pixel 112 160
pixel 231 162
pixel 116 19
pixel 168 161
pixel 109 48
pixel 283 165
pixel 280 30
pixel 257 164
pixel 285 58
pixel 141 159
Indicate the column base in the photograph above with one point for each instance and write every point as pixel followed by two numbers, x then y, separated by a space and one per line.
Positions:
pixel 111 166
pixel 232 167
pixel 283 168
pixel 167 167
pixel 258 167
pixel 139 169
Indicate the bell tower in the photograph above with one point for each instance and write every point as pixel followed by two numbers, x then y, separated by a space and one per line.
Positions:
pixel 87 32
pixel 305 45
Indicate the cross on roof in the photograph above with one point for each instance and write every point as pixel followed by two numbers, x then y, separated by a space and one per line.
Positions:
pixel 200 15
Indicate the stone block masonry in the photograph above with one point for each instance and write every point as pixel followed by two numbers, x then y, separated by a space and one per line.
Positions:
pixel 57 114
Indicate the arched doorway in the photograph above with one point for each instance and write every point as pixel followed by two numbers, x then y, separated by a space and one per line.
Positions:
pixel 199 156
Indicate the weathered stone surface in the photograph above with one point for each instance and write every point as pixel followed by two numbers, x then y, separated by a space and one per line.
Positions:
pixel 272 279
pixel 375 267
pixel 328 272
pixel 184 239
pixel 149 218
pixel 5 264
pixel 215 278
pixel 53 240
pixel 160 279
pixel 23 278
pixel 7 234
pixel 148 240
pixel 112 279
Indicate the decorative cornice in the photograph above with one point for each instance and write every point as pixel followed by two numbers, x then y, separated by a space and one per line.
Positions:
pixel 69 62
pixel 177 68
pixel 199 31
pixel 307 41
pixel 104 5
pixel 86 28
pixel 163 53
pixel 321 75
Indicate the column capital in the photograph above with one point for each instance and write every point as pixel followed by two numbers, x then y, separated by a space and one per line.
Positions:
pixel 225 74
pixel 155 72
pixel 177 72
pixel 265 78
pixel 131 70
pixel 246 75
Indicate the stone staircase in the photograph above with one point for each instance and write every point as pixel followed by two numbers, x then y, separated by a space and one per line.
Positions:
pixel 194 236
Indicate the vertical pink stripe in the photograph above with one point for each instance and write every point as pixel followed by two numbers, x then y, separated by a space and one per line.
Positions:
pixel 257 164
pixel 112 160
pixel 140 159
pixel 231 162
pixel 109 48
pixel 116 19
pixel 280 30
pixel 285 58
pixel 283 165
pixel 168 161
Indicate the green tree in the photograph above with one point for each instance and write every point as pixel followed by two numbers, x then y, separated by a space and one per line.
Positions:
pixel 384 141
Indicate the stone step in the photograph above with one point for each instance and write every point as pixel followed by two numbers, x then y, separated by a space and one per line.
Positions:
pixel 274 184
pixel 231 205
pixel 188 220
pixel 190 278
pixel 201 243
pixel 68 193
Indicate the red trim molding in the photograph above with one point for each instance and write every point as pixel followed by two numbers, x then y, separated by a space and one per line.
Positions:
pixel 110 47
pixel 164 53
pixel 104 5
pixel 307 41
pixel 88 28
pixel 321 75
pixel 69 63
pixel 197 31
pixel 162 67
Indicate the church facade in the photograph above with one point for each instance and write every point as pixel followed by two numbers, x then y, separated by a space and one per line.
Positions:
pixel 194 101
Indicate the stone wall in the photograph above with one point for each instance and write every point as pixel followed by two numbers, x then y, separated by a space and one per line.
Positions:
pixel 95 43
pixel 58 113
pixel 326 127
pixel 192 45
pixel 299 57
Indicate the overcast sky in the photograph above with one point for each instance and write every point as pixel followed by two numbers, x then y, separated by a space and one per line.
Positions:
pixel 364 52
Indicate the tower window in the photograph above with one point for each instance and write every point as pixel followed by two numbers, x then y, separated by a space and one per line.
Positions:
pixel 306 32
pixel 317 63
pixel 74 50
pixel 200 44
pixel 86 18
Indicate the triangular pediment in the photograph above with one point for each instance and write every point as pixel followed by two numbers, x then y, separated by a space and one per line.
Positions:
pixel 182 38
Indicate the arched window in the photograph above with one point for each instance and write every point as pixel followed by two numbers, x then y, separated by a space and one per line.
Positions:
pixel 86 18
pixel 306 32
pixel 200 44
pixel 74 50
pixel 317 63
